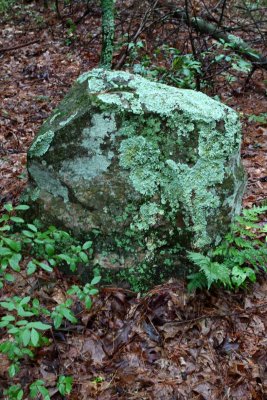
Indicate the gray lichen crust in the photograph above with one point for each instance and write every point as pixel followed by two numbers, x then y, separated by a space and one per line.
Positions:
pixel 153 169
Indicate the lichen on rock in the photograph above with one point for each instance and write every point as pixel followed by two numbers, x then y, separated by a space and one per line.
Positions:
pixel 154 170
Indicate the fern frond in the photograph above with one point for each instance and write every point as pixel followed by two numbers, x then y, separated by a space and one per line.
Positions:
pixel 197 281
pixel 213 271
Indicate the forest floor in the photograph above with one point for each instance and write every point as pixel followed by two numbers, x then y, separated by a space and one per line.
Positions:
pixel 168 344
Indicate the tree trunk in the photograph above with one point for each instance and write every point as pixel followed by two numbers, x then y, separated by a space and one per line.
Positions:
pixel 108 30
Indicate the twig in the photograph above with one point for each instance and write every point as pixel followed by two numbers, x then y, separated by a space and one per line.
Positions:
pixel 19 46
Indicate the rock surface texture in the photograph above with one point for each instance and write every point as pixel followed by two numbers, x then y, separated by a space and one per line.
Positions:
pixel 147 169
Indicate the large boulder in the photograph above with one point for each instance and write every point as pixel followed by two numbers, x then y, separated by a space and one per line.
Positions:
pixel 145 169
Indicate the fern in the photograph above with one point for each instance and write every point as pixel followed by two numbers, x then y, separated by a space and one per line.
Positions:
pixel 197 281
pixel 213 271
pixel 238 258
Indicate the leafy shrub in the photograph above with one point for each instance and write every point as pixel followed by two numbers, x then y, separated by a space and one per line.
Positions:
pixel 24 248
pixel 238 258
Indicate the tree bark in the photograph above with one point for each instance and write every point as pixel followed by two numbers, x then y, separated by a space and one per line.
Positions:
pixel 108 32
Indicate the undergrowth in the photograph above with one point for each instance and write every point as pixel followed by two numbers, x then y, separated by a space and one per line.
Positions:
pixel 237 259
pixel 26 251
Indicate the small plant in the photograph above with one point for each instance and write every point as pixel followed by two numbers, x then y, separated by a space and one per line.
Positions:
pixel 84 293
pixel 38 388
pixel 64 384
pixel 71 32
pixel 98 379
pixel 14 392
pixel 259 119
pixel 238 258
pixel 62 311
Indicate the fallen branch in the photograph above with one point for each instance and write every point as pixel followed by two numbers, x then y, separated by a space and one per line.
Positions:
pixel 19 46
pixel 202 26
pixel 237 44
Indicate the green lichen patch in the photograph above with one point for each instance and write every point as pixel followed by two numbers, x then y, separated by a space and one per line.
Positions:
pixel 41 144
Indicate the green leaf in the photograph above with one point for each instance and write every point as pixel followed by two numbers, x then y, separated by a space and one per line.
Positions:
pixel 22 207
pixel 5 228
pixel 49 249
pixel 5 251
pixel 69 315
pixel 32 228
pixel 74 289
pixel 28 233
pixel 23 313
pixel 36 303
pixel 22 322
pixel 18 220
pixel 64 384
pixel 20 395
pixel 93 291
pixel 87 245
pixel 25 300
pixel 34 337
pixel 44 392
pixel 5 347
pixel 45 267
pixel 88 302
pixel 13 370
pixel 9 277
pixel 26 337
pixel 8 318
pixel 14 262
pixel 31 268
pixel 8 305
pixel 39 325
pixel 16 246
pixel 4 218
pixel 8 207
pixel 65 257
pixel 96 280
pixel 213 271
pixel 83 256
pixel 58 320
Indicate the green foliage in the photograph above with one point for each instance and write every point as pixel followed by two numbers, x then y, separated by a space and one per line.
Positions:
pixel 26 250
pixel 259 119
pixel 5 5
pixel 62 311
pixel 48 249
pixel 38 388
pixel 64 384
pixel 237 259
pixel 84 293
pixel 14 392
pixel 180 70
pixel 70 32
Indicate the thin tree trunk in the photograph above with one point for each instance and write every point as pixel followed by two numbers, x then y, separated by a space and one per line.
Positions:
pixel 108 31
